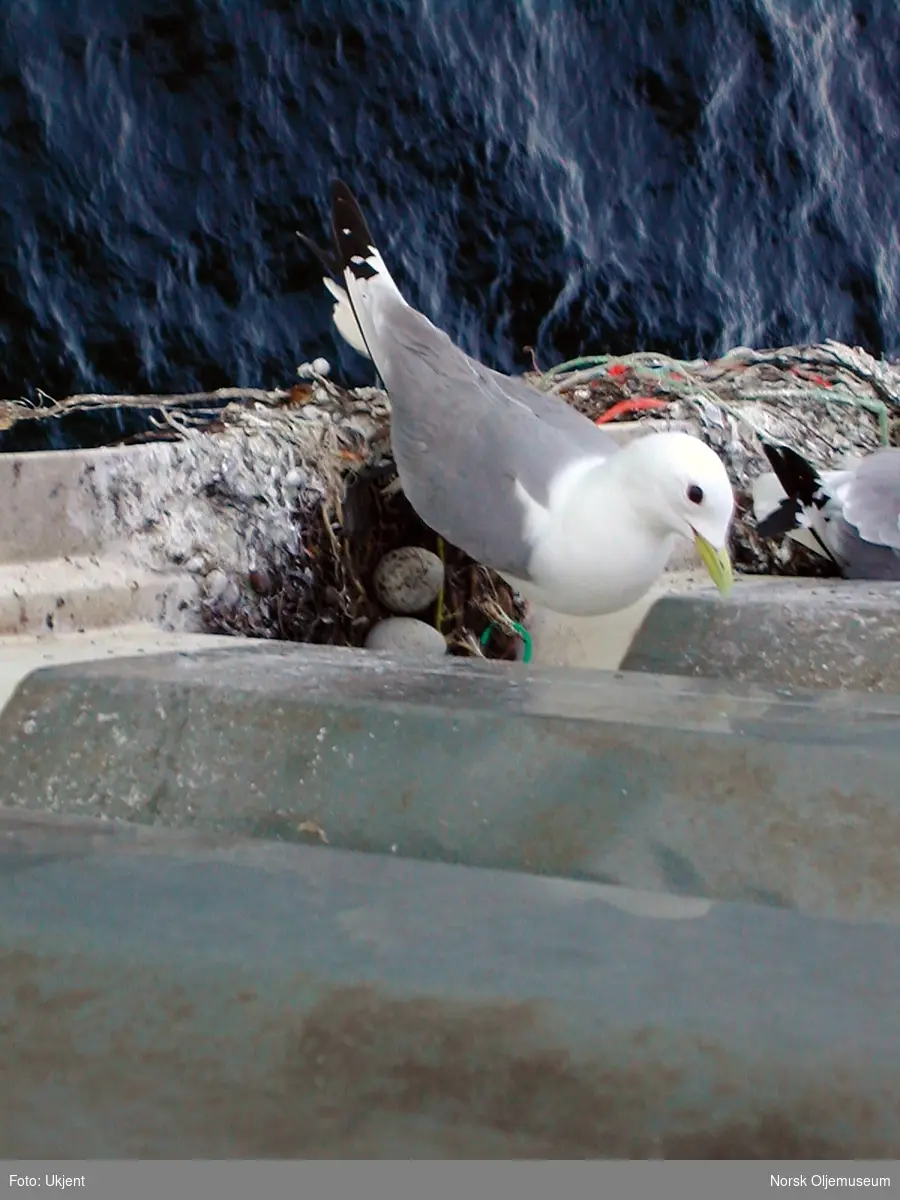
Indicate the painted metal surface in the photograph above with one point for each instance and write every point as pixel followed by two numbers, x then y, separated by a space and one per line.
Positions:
pixel 176 995
pixel 781 798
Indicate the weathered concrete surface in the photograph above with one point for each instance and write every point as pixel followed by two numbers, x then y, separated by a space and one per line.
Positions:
pixel 21 654
pixel 66 560
pixel 601 643
pixel 71 594
pixel 163 522
pixel 176 998
pixel 52 506
pixel 678 785
pixel 777 632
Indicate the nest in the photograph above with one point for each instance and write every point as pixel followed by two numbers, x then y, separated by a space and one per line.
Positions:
pixel 324 594
pixel 282 504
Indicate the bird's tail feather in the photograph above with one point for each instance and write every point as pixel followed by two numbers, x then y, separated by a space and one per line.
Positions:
pixel 345 318
pixel 353 242
pixel 363 268
pixel 354 261
pixel 364 273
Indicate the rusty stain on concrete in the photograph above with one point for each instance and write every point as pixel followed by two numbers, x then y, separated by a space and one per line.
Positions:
pixel 362 1074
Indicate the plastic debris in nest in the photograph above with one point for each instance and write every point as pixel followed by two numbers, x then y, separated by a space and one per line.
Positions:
pixel 829 402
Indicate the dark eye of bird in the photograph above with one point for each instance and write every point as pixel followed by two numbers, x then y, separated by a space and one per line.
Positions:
pixel 695 494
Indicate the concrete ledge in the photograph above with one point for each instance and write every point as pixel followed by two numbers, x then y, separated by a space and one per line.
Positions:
pixel 171 997
pixel 131 533
pixel 53 506
pixel 676 785
pixel 90 593
pixel 777 632
pixel 105 536
pixel 66 561
pixel 22 654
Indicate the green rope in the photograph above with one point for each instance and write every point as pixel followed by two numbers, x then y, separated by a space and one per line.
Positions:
pixel 576 364
pixel 520 630
pixel 639 363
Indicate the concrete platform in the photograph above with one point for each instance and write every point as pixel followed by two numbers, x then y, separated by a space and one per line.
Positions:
pixel 189 979
pixel 66 561
pixel 56 504
pixel 264 900
pixel 183 997
pixel 22 654
pixel 778 633
pixel 80 593
pixel 682 786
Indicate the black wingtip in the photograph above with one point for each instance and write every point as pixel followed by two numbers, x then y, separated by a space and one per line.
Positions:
pixel 798 477
pixel 781 520
pixel 327 258
pixel 803 489
pixel 352 240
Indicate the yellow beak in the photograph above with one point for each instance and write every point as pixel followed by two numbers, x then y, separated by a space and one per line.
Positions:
pixel 716 562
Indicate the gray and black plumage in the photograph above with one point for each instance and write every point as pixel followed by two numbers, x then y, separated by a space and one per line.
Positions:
pixel 851 516
pixel 515 477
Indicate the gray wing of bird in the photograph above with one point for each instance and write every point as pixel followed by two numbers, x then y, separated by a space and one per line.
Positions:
pixel 478 453
pixel 865 512
pixel 464 435
pixel 546 406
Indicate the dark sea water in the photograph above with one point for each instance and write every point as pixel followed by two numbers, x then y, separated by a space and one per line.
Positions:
pixel 578 176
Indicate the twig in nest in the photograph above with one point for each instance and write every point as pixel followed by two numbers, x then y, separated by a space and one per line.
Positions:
pixel 529 350
pixel 466 640
pixel 495 614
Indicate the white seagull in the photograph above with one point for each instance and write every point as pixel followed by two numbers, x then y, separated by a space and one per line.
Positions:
pixel 514 477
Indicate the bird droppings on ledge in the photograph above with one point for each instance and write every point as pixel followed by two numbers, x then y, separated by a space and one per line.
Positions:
pixel 280 504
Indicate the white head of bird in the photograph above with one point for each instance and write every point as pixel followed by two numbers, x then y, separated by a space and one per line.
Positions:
pixel 685 491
